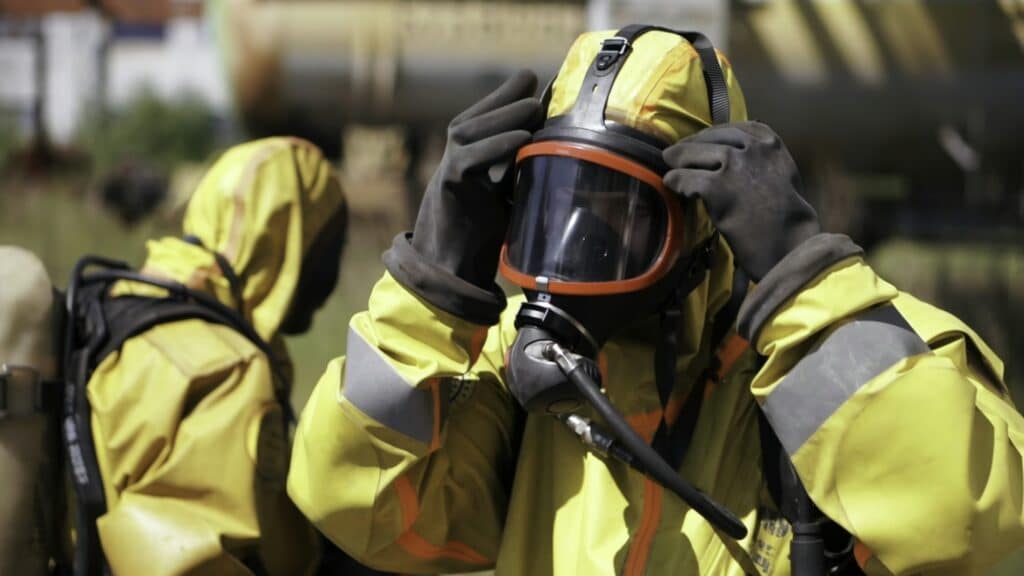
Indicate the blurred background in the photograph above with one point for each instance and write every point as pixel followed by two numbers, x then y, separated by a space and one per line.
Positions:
pixel 905 117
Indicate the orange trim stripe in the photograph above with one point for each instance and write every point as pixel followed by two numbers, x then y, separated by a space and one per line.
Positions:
pixel 728 354
pixel 407 501
pixel 675 408
pixel 476 344
pixel 640 547
pixel 645 424
pixel 861 553
pixel 602 365
pixel 709 389
pixel 435 392
pixel 594 155
pixel 418 546
pixel 734 347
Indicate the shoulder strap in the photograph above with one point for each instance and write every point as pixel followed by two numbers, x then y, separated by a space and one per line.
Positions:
pixel 129 316
pixel 97 325
pixel 673 437
pixel 819 545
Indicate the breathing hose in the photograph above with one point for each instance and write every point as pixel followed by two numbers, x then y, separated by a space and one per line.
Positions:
pixel 645 458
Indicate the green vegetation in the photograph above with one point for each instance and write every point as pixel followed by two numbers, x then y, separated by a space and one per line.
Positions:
pixel 157 133
pixel 60 226
pixel 360 269
pixel 10 140
pixel 56 222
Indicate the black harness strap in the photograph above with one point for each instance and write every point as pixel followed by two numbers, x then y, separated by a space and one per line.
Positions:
pixel 98 325
pixel 77 427
pixel 672 442
pixel 667 349
pixel 129 316
pixel 234 281
pixel 821 545
pixel 718 90
pixel 681 434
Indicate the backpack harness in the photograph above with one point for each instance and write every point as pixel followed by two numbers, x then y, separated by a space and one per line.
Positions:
pixel 97 325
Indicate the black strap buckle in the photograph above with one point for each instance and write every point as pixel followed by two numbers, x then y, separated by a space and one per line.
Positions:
pixel 3 391
pixel 616 44
pixel 611 50
pixel 8 404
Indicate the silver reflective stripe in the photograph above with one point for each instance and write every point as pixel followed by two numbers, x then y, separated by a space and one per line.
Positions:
pixel 834 370
pixel 373 386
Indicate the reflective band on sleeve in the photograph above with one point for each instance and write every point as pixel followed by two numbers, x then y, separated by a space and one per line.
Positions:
pixel 834 370
pixel 373 386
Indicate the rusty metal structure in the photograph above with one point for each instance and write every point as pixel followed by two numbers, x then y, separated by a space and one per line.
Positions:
pixel 317 66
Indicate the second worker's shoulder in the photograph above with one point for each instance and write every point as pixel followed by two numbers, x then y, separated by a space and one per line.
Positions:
pixel 197 347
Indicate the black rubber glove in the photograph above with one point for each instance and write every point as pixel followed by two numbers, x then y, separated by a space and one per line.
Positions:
pixel 452 257
pixel 751 188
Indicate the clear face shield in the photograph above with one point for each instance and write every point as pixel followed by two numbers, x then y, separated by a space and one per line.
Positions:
pixel 588 222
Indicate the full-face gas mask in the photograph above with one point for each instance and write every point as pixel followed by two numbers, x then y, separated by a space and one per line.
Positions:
pixel 596 242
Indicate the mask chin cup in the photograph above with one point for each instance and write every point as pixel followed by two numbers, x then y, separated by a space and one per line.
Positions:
pixel 547 377
pixel 534 379
pixel 568 331
pixel 537 382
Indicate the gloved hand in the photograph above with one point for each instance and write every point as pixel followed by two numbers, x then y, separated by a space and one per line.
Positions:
pixel 751 188
pixel 462 220
pixel 451 258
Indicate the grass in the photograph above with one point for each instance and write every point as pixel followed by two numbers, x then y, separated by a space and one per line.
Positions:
pixel 60 224
pixel 360 270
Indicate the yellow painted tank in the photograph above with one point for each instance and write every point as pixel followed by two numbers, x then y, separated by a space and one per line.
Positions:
pixel 321 65
pixel 867 80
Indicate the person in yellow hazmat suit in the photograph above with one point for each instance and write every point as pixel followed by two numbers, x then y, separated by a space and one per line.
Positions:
pixel 635 205
pixel 190 437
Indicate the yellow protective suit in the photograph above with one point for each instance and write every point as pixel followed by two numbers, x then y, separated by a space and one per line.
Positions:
pixel 190 438
pixel 413 456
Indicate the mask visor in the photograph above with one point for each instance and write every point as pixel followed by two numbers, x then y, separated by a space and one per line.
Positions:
pixel 587 221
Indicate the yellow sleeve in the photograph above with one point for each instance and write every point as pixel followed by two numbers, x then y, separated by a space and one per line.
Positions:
pixel 193 454
pixel 404 453
pixel 897 421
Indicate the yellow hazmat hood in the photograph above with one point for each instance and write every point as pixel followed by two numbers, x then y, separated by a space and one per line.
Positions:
pixel 260 206
pixel 659 91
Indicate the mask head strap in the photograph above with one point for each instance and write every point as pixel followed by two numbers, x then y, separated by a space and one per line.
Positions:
pixel 589 112
pixel 586 122
pixel 714 78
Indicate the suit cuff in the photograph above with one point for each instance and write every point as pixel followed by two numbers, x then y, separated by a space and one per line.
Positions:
pixel 801 266
pixel 440 287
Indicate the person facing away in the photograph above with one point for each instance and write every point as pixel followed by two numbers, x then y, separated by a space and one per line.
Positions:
pixel 415 453
pixel 191 439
